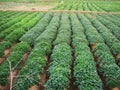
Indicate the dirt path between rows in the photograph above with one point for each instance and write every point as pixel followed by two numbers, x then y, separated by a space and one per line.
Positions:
pixel 84 12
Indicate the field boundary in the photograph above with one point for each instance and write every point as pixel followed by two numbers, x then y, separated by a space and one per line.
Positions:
pixel 67 11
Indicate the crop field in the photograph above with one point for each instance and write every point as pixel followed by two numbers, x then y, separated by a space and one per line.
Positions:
pixel 57 50
pixel 100 6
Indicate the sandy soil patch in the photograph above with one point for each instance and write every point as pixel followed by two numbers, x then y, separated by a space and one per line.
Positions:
pixel 24 6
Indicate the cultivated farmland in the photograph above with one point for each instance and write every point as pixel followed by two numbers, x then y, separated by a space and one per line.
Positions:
pixel 65 48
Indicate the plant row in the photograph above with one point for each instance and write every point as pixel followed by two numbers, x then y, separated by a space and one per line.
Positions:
pixel 115 21
pixel 13 62
pixel 25 24
pixel 85 71
pixel 59 68
pixel 77 30
pixel 16 34
pixel 6 14
pixel 88 6
pixel 51 30
pixel 10 15
pixel 61 58
pixel 112 42
pixel 10 26
pixel 37 59
pixel 35 32
pixel 112 27
pixel 6 18
pixel 107 66
pixel 12 22
pixel 64 32
pixel 91 33
pixel 115 17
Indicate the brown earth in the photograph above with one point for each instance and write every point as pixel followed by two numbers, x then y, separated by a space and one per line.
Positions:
pixel 11 6
pixel 116 88
pixel 33 8
pixel 6 53
pixel 43 8
pixel 14 73
pixel 43 77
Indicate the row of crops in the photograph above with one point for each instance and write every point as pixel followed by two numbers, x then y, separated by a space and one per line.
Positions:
pixel 106 6
pixel 64 47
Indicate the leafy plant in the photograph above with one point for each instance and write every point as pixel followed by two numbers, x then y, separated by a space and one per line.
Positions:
pixel 4 45
pixel 34 33
pixel 91 33
pixel 84 69
pixel 17 53
pixel 59 75
pixel 107 65
pixel 115 48
pixel 13 61
pixel 37 59
pixel 64 31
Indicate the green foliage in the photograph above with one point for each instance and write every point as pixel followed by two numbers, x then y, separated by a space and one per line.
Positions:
pixel 8 28
pixel 91 33
pixel 8 16
pixel 59 68
pixel 15 31
pixel 112 42
pixel 34 33
pixel 2 48
pixel 78 30
pixel 89 5
pixel 98 52
pixel 46 33
pixel 109 6
pixel 84 69
pixel 13 22
pixel 104 19
pixel 4 45
pixel 4 72
pixel 50 33
pixel 34 21
pixel 15 56
pixel 34 66
pixel 107 65
pixel 116 48
pixel 64 31
pixel 15 35
pixel 37 58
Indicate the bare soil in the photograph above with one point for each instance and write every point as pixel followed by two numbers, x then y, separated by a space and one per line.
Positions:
pixel 7 53
pixel 43 8
pixel 44 77
pixel 15 72
pixel 34 88
pixel 116 88
pixel 12 6
pixel 117 56
pixel 4 87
